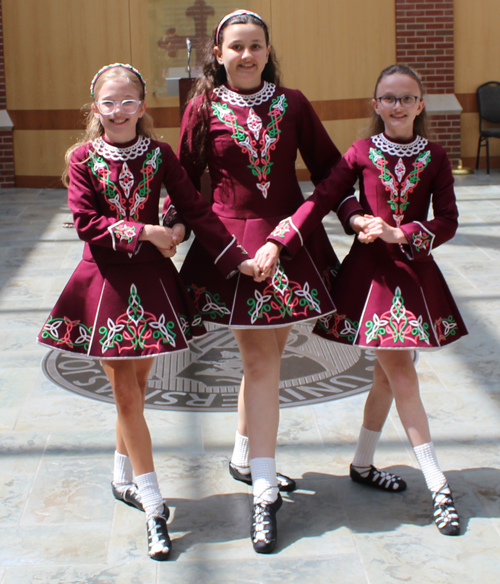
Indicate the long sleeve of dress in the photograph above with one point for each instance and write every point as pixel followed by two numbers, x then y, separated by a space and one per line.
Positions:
pixel 192 208
pixel 335 193
pixel 91 224
pixel 424 236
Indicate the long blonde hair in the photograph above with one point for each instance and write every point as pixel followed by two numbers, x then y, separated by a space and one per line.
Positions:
pixel 93 127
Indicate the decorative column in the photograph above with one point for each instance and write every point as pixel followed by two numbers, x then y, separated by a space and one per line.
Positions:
pixel 6 126
pixel 425 42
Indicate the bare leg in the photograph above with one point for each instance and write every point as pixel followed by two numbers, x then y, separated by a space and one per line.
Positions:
pixel 281 338
pixel 132 430
pixel 379 401
pixel 142 369
pixel 261 351
pixel 403 380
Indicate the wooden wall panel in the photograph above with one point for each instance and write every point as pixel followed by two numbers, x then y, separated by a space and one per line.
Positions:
pixel 331 49
pixel 477 43
pixel 334 50
pixel 54 47
pixel 41 152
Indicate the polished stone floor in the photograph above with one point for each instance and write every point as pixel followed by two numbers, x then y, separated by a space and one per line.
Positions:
pixel 60 525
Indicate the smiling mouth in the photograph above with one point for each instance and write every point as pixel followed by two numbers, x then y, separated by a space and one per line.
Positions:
pixel 119 122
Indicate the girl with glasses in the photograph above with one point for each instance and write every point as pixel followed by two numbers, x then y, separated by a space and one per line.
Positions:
pixel 125 303
pixel 389 293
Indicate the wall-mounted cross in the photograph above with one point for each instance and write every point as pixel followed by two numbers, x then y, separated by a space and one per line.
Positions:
pixel 172 42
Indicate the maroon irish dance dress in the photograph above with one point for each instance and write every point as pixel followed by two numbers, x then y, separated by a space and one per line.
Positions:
pixel 388 296
pixel 125 300
pixel 252 145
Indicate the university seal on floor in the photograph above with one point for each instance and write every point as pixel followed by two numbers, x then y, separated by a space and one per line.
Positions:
pixel 207 378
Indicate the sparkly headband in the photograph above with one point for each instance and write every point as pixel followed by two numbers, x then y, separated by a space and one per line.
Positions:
pixel 113 66
pixel 235 13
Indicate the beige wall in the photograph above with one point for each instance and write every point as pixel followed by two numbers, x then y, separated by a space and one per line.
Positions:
pixel 477 50
pixel 330 49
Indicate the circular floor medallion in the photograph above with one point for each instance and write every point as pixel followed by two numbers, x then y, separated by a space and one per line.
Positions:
pixel 207 378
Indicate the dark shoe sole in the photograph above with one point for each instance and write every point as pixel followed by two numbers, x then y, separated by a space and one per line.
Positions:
pixel 285 484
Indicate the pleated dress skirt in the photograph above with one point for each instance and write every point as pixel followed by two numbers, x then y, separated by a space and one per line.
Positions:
pixel 298 291
pixel 388 303
pixel 123 311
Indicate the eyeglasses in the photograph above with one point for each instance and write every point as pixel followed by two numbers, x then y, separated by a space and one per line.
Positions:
pixel 127 106
pixel 391 100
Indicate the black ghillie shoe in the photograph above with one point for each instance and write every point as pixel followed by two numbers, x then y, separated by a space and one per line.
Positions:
pixel 445 515
pixel 159 544
pixel 130 496
pixel 284 483
pixel 264 530
pixel 378 479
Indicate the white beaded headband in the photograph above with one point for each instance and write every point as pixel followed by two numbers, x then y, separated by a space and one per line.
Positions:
pixel 231 15
pixel 113 66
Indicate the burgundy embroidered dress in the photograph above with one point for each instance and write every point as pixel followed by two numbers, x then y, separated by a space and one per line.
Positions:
pixel 389 296
pixel 125 300
pixel 252 145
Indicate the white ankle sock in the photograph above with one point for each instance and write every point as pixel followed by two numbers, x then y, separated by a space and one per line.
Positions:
pixel 365 450
pixel 123 475
pixel 150 495
pixel 427 460
pixel 265 485
pixel 241 453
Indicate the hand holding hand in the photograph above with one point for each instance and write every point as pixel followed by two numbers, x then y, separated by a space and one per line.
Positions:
pixel 267 258
pixel 168 253
pixel 178 233
pixel 161 237
pixel 376 227
pixel 250 268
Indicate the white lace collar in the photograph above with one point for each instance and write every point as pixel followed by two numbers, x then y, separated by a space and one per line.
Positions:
pixel 123 154
pixel 399 149
pixel 244 100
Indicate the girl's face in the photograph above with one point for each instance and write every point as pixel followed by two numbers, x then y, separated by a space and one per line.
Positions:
pixel 398 120
pixel 119 126
pixel 244 54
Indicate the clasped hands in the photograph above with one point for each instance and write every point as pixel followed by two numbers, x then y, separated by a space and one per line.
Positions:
pixel 370 228
pixel 166 239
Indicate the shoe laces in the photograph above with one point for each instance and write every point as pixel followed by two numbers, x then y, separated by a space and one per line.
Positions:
pixel 158 537
pixel 261 519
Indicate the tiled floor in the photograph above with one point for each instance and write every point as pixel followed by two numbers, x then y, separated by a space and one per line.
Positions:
pixel 60 525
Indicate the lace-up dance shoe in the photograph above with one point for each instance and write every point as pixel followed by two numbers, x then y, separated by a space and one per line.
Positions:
pixel 284 483
pixel 264 531
pixel 445 514
pixel 159 544
pixel 130 496
pixel 378 479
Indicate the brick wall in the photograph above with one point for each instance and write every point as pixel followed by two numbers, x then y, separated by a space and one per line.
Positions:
pixel 424 41
pixel 6 142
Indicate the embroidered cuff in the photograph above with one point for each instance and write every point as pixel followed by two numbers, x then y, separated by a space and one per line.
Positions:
pixel 420 241
pixel 125 236
pixel 287 234
pixel 231 257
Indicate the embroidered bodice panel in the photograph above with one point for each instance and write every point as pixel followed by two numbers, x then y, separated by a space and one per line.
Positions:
pixel 125 175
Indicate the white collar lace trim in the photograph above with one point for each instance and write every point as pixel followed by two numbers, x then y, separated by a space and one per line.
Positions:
pixel 252 100
pixel 399 149
pixel 121 154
